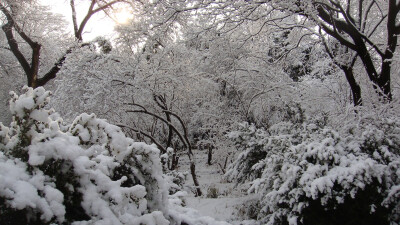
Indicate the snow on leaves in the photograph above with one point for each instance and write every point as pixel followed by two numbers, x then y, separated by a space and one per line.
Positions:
pixel 87 172
pixel 45 168
pixel 307 168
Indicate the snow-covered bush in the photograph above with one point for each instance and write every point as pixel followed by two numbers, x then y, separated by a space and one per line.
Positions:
pixel 308 173
pixel 176 181
pixel 212 191
pixel 87 172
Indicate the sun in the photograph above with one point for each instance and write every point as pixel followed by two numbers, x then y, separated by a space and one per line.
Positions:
pixel 122 16
pixel 100 24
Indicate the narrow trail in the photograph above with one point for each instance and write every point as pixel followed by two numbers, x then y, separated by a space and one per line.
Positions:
pixel 221 200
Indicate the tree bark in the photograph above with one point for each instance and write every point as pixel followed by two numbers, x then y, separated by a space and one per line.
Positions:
pixel 355 88
pixel 209 155
pixel 175 161
pixel 393 31
pixel 195 181
pixel 357 40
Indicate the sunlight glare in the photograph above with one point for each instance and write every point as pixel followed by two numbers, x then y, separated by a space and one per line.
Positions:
pixel 123 16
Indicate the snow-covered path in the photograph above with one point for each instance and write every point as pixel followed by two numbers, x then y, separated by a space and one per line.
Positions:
pixel 226 206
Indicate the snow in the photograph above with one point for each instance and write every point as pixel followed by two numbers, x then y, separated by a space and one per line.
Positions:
pixel 222 209
pixel 21 190
pixel 295 164
pixel 26 102
pixel 90 150
pixel 315 164
pixel 226 207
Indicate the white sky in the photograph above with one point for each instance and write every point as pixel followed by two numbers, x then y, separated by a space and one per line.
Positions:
pixel 98 25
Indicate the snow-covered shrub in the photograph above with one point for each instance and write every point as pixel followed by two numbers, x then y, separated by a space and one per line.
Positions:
pixel 176 181
pixel 249 209
pixel 212 192
pixel 87 172
pixel 307 173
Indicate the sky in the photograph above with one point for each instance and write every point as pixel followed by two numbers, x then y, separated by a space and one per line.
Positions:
pixel 98 25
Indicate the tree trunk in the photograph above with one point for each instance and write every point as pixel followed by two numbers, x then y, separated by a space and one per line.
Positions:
pixel 384 85
pixel 175 161
pixel 355 88
pixel 209 155
pixel 393 31
pixel 381 82
pixel 195 181
pixel 330 14
pixel 33 76
pixel 223 167
pixel 170 131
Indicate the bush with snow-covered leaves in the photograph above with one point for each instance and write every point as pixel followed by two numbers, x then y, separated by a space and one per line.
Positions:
pixel 87 172
pixel 308 173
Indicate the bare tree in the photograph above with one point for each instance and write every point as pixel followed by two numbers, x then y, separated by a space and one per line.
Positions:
pixel 368 29
pixel 362 26
pixel 31 65
pixel 182 135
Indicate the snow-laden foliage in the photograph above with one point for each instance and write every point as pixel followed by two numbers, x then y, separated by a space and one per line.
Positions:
pixel 90 75
pixel 86 172
pixel 308 173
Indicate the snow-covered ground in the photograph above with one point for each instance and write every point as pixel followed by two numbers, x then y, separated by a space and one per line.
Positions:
pixel 228 203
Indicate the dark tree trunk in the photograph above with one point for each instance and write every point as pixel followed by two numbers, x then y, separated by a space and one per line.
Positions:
pixel 358 41
pixel 355 88
pixel 384 86
pixel 393 31
pixel 170 131
pixel 31 68
pixel 33 76
pixel 174 162
pixel 223 167
pixel 195 181
pixel 209 155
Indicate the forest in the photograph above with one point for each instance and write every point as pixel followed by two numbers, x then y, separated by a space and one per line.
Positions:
pixel 200 112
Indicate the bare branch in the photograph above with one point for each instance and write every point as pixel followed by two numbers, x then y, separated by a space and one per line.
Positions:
pixel 165 121
pixel 163 150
